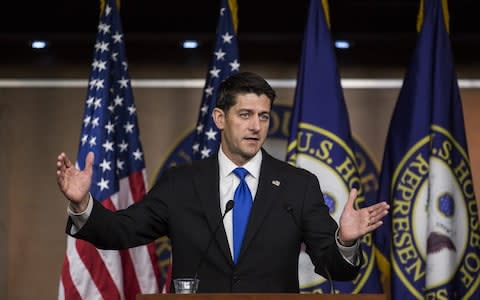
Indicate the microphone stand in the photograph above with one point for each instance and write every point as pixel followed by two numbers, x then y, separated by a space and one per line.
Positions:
pixel 228 207
pixel 289 209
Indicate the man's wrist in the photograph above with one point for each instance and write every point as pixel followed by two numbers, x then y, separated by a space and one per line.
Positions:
pixel 80 208
pixel 345 244
pixel 342 242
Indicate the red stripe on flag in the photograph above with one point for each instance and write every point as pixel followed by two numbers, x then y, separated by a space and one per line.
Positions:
pixel 130 278
pixel 97 269
pixel 107 203
pixel 137 185
pixel 130 281
pixel 69 288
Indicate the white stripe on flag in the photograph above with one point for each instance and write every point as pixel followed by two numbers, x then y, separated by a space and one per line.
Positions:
pixel 113 263
pixel 79 273
pixel 116 201
pixel 142 263
pixel 145 180
pixel 123 198
pixel 144 269
pixel 61 291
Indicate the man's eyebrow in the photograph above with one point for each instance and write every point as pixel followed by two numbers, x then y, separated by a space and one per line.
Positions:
pixel 251 111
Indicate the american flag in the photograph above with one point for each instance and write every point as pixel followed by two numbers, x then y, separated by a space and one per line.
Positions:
pixel 110 130
pixel 205 138
pixel 224 63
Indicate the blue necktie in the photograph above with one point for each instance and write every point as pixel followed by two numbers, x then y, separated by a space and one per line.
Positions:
pixel 241 211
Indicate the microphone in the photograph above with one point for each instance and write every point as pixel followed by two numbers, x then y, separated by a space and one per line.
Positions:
pixel 228 207
pixel 289 209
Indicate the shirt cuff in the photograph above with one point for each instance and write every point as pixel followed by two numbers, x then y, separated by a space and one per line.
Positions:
pixel 349 253
pixel 79 219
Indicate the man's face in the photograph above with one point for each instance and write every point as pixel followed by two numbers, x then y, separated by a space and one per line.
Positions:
pixel 244 126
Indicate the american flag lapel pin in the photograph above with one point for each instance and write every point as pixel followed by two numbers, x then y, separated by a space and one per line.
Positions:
pixel 276 182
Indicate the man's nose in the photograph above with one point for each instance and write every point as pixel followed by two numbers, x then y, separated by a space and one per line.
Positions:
pixel 254 124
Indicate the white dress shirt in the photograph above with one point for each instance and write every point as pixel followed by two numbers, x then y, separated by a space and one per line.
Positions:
pixel 229 182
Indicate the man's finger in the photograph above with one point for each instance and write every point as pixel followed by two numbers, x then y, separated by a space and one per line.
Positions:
pixel 351 198
pixel 378 207
pixel 60 165
pixel 380 210
pixel 374 226
pixel 61 162
pixel 67 161
pixel 89 162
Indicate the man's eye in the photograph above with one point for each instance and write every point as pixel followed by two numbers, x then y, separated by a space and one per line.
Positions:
pixel 264 117
pixel 244 115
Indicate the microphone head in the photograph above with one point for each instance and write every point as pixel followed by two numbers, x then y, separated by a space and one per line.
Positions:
pixel 229 206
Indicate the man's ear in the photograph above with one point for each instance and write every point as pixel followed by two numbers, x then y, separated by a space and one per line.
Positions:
pixel 218 116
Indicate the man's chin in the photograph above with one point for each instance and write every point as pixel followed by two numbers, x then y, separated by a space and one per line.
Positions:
pixel 250 152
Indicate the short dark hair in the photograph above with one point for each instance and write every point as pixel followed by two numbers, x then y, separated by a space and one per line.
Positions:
pixel 242 83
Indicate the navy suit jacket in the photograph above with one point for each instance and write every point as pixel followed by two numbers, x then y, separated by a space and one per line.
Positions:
pixel 185 205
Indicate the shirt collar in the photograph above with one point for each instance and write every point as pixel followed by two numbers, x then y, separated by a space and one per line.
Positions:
pixel 226 166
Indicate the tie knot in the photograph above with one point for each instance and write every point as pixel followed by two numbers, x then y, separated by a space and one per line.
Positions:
pixel 241 173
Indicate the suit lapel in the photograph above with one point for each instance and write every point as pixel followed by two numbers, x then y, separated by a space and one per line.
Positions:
pixel 267 192
pixel 206 182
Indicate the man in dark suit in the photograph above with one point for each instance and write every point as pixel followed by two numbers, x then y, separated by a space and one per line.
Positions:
pixel 276 208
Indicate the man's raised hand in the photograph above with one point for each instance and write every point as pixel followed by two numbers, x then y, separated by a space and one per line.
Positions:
pixel 75 183
pixel 354 223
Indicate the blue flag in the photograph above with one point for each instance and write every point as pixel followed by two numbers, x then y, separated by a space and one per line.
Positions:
pixel 110 130
pixel 321 142
pixel 204 141
pixel 431 236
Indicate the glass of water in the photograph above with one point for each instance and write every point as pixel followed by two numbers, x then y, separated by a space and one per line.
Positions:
pixel 185 285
